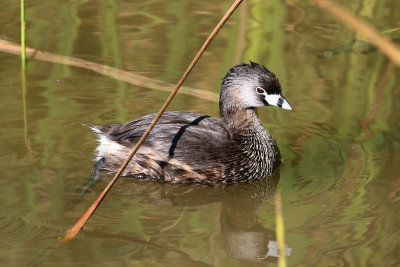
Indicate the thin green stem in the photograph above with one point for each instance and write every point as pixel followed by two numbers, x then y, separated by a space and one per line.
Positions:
pixel 23 51
pixel 26 137
pixel 23 75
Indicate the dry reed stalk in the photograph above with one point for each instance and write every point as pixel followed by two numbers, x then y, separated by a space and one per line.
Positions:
pixel 75 229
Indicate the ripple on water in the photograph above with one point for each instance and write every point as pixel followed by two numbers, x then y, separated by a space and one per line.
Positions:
pixel 23 227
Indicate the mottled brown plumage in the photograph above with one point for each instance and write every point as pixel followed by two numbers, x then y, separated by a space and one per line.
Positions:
pixel 187 147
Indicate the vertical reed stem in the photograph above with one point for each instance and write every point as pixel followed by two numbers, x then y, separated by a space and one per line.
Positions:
pixel 280 229
pixel 23 75
pixel 23 50
pixel 26 137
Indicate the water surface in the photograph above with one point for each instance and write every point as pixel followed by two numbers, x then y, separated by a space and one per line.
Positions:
pixel 340 145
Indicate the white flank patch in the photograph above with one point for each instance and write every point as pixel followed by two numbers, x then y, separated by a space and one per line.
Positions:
pixel 107 146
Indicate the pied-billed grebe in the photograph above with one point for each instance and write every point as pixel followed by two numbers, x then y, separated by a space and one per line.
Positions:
pixel 186 147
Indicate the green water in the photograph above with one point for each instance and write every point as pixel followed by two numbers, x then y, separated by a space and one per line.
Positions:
pixel 340 145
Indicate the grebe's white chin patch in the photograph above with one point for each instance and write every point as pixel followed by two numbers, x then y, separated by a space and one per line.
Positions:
pixel 277 100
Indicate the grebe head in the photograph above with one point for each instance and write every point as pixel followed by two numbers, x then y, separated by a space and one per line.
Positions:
pixel 249 86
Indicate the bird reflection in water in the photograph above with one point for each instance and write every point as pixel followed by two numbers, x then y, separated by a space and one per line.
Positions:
pixel 244 237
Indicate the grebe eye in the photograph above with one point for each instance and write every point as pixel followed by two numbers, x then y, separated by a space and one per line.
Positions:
pixel 260 91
